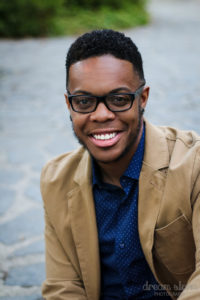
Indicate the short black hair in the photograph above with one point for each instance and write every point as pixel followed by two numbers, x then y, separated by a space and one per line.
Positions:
pixel 102 42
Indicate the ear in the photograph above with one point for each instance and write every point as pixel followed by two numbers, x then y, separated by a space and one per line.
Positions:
pixel 144 96
pixel 67 101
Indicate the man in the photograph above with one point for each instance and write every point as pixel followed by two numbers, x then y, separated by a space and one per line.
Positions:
pixel 123 211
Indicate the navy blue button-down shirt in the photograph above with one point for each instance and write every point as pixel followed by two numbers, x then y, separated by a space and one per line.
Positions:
pixel 125 273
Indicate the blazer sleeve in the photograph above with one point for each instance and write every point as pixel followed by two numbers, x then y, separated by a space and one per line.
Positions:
pixel 192 289
pixel 62 281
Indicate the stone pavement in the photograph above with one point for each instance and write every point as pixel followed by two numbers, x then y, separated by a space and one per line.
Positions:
pixel 35 126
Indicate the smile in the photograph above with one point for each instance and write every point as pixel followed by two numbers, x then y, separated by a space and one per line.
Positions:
pixel 104 140
pixel 106 136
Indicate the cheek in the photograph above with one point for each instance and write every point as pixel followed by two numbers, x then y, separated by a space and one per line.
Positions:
pixel 79 122
pixel 132 117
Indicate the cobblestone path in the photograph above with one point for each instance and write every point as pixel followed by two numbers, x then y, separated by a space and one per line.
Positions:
pixel 35 126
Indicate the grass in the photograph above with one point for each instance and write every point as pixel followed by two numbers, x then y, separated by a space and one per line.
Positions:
pixel 78 20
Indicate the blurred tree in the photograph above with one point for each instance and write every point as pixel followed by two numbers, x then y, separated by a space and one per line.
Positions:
pixel 27 17
pixel 95 4
pixel 23 18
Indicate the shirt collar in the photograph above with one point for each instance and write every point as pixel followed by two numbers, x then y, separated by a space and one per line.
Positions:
pixel 134 168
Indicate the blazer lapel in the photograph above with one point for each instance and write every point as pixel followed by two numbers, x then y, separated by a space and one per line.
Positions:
pixel 151 185
pixel 84 228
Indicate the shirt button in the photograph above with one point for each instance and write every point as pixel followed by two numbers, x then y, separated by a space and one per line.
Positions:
pixel 121 245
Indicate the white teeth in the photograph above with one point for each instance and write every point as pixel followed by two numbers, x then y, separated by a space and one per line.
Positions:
pixel 106 136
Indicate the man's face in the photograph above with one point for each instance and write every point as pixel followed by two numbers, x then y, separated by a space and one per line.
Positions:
pixel 107 135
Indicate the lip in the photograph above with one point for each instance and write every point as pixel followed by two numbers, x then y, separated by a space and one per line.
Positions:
pixel 105 143
pixel 104 131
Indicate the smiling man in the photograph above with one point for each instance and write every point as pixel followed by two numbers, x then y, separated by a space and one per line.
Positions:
pixel 109 127
pixel 122 211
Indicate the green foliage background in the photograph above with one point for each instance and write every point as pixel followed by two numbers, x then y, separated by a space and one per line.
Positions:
pixel 23 18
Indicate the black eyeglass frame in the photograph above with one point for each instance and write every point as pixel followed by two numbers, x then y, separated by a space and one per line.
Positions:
pixel 103 99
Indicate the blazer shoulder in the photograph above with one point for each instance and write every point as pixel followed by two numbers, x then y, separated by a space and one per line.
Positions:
pixel 60 168
pixel 184 150
pixel 165 146
pixel 188 138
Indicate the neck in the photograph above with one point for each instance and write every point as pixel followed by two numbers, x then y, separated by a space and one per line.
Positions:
pixel 111 172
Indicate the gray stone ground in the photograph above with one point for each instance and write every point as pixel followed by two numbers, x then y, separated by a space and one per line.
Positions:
pixel 35 126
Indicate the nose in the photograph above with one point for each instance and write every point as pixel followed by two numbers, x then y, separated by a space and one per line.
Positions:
pixel 102 114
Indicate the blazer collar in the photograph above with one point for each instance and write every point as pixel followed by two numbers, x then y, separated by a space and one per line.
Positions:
pixel 156 153
pixel 84 228
pixel 151 188
pixel 83 174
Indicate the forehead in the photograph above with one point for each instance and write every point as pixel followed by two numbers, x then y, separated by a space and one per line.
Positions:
pixel 102 72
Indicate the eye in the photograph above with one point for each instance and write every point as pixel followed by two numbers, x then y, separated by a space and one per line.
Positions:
pixel 83 102
pixel 119 100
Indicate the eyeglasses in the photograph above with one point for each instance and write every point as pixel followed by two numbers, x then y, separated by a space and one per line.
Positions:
pixel 118 102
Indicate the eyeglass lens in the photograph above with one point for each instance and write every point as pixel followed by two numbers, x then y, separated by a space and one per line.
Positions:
pixel 117 102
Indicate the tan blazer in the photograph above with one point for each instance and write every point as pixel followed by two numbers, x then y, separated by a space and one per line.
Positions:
pixel 168 218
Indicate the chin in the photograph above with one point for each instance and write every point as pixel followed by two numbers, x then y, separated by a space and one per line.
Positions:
pixel 107 158
pixel 104 160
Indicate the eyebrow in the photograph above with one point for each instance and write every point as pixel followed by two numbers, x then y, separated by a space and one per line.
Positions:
pixel 114 91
